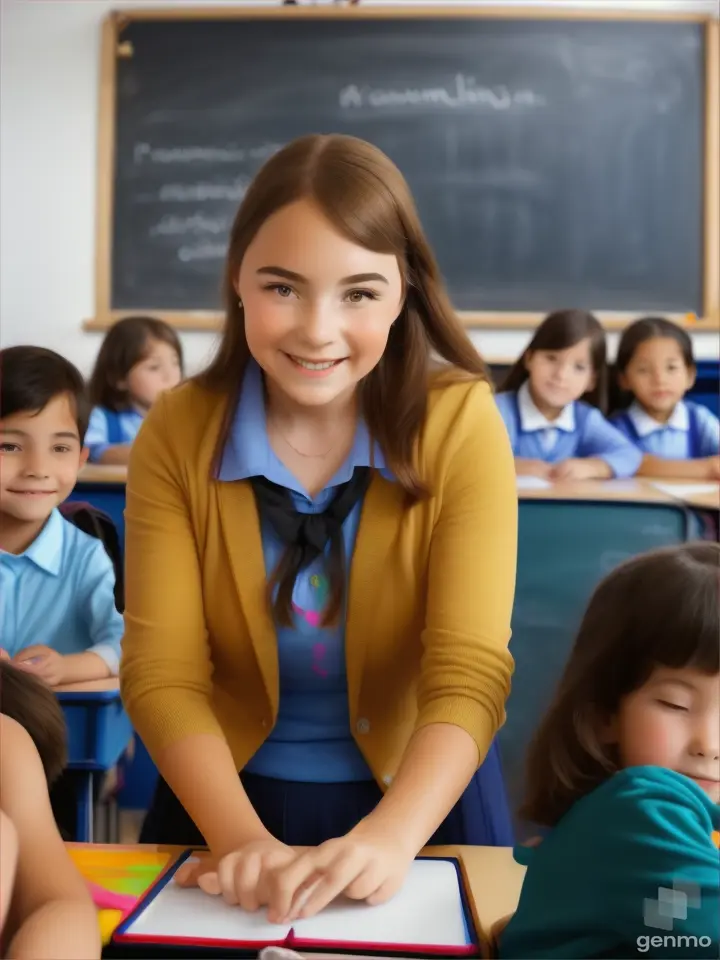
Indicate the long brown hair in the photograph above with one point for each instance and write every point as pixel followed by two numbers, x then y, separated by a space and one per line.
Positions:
pixel 31 703
pixel 659 609
pixel 558 331
pixel 366 198
pixel 126 343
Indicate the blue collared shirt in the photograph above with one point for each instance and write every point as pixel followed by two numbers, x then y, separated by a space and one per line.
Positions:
pixel 311 740
pixel 97 439
pixel 585 434
pixel 692 431
pixel 60 593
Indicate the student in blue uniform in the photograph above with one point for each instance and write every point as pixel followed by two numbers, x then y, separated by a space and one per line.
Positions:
pixel 58 618
pixel 139 359
pixel 625 771
pixel 655 369
pixel 550 404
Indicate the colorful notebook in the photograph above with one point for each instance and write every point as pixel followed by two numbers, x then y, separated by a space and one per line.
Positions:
pixel 429 917
pixel 114 872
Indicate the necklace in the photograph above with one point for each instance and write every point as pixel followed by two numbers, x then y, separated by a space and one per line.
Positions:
pixel 300 453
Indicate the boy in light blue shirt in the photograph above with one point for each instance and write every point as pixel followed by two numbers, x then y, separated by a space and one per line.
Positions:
pixel 58 618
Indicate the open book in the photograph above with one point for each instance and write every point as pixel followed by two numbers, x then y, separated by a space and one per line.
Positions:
pixel 427 918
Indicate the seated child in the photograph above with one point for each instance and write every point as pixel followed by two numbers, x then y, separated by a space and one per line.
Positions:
pixel 625 770
pixel 58 618
pixel 655 369
pixel 550 404
pixel 46 912
pixel 139 358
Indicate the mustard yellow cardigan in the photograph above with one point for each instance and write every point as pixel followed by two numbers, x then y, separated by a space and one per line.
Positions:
pixel 430 589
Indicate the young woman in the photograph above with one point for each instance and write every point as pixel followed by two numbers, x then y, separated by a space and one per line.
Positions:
pixel 321 547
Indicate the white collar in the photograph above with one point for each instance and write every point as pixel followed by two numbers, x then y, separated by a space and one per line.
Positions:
pixel 531 419
pixel 645 424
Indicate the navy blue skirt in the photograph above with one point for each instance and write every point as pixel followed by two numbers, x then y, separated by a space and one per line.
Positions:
pixel 307 814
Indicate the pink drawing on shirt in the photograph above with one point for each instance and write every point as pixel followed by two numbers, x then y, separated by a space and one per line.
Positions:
pixel 318 656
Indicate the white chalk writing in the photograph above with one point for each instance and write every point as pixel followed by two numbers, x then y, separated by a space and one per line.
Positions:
pixel 200 192
pixel 462 92
pixel 197 223
pixel 147 153
pixel 202 251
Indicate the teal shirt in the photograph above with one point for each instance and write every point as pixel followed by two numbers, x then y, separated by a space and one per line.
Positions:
pixel 608 878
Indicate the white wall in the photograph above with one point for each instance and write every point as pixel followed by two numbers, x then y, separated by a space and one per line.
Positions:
pixel 49 61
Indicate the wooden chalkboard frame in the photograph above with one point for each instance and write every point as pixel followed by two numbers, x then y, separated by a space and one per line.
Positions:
pixel 112 48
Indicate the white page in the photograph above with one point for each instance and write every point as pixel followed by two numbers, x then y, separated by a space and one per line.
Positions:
pixel 178 912
pixel 428 910
pixel 532 483
pixel 686 489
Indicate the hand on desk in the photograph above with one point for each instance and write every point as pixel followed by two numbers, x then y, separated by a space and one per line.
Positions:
pixel 43 662
pixel 576 468
pixel 56 669
pixel 295 883
pixel 240 877
pixel 360 866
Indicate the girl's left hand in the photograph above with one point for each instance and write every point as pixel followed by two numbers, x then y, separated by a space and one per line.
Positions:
pixel 576 469
pixel 44 662
pixel 360 865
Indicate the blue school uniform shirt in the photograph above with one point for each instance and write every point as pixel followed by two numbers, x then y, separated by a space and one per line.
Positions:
pixel 580 431
pixel 60 592
pixel 311 740
pixel 692 431
pixel 634 858
pixel 107 428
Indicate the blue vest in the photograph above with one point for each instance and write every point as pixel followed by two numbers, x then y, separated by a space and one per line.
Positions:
pixel 694 445
pixel 114 427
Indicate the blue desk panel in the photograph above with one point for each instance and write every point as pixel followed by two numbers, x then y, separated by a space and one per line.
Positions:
pixel 565 549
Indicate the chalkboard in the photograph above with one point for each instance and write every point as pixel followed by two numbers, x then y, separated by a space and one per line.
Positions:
pixel 554 162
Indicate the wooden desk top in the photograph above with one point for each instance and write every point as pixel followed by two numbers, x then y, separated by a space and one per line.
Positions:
pixel 493 877
pixel 98 473
pixel 602 491
pixel 90 686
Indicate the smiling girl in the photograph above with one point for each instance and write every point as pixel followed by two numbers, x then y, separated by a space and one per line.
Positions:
pixel 552 401
pixel 321 546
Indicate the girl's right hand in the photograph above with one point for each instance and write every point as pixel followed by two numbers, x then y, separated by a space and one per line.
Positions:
pixel 713 468
pixel 532 468
pixel 239 877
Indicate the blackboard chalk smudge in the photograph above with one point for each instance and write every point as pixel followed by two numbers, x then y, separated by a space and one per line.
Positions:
pixel 461 93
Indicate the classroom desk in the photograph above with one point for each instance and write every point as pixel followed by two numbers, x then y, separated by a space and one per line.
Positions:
pixel 571 536
pixel 99 732
pixel 493 878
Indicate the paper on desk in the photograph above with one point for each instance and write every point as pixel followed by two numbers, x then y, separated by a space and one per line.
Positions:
pixel 428 910
pixel 532 483
pixel 682 490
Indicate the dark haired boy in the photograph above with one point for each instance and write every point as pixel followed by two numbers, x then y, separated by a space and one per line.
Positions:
pixel 58 618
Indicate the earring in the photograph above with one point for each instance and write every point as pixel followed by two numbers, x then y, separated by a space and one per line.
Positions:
pixel 240 303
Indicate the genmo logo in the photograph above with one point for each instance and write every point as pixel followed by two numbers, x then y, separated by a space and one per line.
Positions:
pixel 689 942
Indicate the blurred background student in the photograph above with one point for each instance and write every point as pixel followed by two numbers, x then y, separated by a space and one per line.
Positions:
pixel 655 368
pixel 140 357
pixel 553 399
